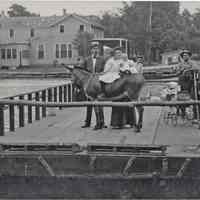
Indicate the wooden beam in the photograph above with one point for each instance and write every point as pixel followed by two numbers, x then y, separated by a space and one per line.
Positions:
pixel 128 165
pixel 46 165
pixel 183 167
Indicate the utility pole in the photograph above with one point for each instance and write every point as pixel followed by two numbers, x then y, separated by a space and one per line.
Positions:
pixel 149 33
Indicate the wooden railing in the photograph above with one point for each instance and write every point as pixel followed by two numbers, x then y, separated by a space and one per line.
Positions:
pixel 61 97
pixel 28 113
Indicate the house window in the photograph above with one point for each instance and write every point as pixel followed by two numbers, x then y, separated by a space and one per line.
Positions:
pixel 11 33
pixel 62 28
pixel 81 28
pixel 57 51
pixel 63 50
pixel 41 51
pixel 14 53
pixel 25 54
pixel 169 60
pixel 32 32
pixel 69 50
pixel 8 53
pixel 3 54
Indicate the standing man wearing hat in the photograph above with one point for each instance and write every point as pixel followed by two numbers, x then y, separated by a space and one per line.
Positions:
pixel 94 64
pixel 186 64
pixel 188 70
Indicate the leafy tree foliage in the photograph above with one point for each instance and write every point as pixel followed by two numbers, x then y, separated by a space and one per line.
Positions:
pixel 166 29
pixel 17 10
pixel 81 43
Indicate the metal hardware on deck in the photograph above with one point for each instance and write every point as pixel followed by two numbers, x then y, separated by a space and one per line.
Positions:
pixel 183 167
pixel 107 148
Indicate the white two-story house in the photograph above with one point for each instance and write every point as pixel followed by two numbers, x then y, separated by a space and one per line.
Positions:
pixel 31 41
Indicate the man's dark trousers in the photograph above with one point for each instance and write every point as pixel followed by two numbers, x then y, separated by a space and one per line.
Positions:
pixel 99 115
pixel 99 67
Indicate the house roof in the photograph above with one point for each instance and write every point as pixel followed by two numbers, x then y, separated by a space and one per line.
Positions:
pixel 93 20
pixel 44 22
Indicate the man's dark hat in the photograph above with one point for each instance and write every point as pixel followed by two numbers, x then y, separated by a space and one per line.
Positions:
pixel 185 51
pixel 117 49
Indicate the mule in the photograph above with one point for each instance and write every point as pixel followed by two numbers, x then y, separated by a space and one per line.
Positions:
pixel 127 86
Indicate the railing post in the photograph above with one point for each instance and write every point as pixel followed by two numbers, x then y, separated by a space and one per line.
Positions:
pixel 44 113
pixel 55 94
pixel 69 92
pixel 49 94
pixel 73 89
pixel 12 116
pixel 37 108
pixel 30 109
pixel 60 96
pixel 21 112
pixel 65 93
pixel 1 120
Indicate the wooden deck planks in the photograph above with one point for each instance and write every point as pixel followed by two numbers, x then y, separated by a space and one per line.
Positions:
pixel 66 127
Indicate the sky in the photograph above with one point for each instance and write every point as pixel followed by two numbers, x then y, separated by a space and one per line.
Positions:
pixel 51 7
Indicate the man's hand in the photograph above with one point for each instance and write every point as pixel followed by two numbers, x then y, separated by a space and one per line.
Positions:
pixel 101 97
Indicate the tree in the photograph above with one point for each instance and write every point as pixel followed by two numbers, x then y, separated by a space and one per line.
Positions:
pixel 147 24
pixel 81 43
pixel 17 10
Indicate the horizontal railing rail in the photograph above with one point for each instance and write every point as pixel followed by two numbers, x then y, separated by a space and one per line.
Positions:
pixel 22 114
pixel 99 103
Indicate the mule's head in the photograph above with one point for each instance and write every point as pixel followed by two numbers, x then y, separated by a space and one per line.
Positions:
pixel 79 75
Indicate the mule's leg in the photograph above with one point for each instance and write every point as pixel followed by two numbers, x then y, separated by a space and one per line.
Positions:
pixel 139 110
pixel 98 114
pixel 101 117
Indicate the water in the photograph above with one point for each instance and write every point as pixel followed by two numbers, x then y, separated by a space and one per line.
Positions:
pixel 11 87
